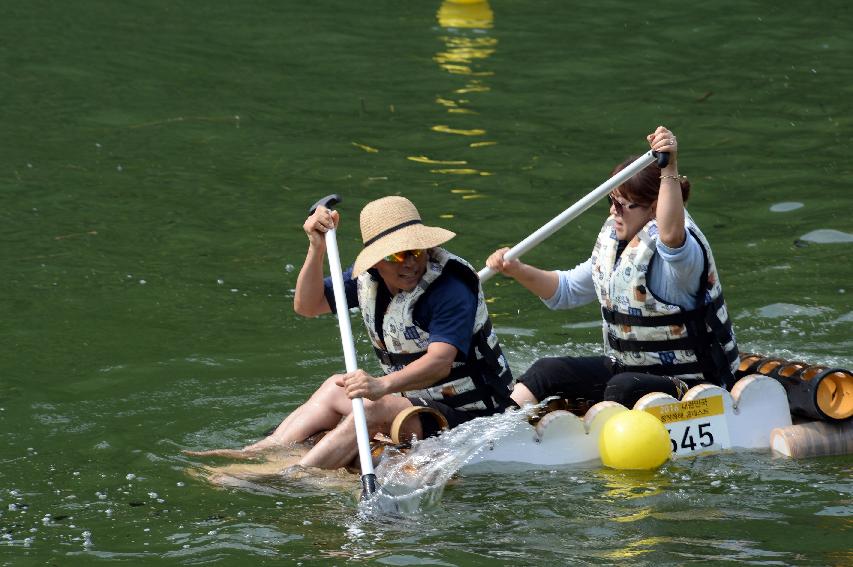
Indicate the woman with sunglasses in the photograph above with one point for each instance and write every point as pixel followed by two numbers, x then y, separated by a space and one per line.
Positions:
pixel 666 326
pixel 427 320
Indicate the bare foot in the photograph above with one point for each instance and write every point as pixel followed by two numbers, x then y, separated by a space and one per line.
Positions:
pixel 257 450
pixel 228 453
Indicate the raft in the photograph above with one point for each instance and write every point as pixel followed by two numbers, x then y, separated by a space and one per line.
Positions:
pixel 791 408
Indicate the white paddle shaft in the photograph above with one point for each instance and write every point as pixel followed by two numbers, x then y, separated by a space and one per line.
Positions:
pixel 342 309
pixel 572 212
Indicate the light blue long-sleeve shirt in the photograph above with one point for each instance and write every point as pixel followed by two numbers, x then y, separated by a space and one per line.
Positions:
pixel 674 278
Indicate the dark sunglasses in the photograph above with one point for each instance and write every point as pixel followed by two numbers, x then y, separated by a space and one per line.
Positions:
pixel 400 257
pixel 620 207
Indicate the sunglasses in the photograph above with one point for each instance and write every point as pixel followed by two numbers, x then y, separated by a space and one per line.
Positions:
pixel 620 207
pixel 400 257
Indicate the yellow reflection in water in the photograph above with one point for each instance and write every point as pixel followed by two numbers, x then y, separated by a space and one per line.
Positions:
pixel 466 45
pixel 366 148
pixel 424 159
pixel 473 87
pixel 623 485
pixel 460 171
pixel 636 548
pixel 448 130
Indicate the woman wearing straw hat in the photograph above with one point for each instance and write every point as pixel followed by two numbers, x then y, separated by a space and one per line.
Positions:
pixel 665 321
pixel 427 320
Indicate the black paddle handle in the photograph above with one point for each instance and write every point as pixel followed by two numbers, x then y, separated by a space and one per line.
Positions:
pixel 663 159
pixel 329 201
pixel 368 486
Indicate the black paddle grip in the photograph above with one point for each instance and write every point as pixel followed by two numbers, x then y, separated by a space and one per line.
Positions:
pixel 329 201
pixel 663 158
pixel 368 486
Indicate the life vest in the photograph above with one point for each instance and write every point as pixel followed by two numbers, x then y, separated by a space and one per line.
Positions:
pixel 479 380
pixel 642 333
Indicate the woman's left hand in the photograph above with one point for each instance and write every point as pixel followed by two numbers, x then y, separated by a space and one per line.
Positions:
pixel 663 140
pixel 360 384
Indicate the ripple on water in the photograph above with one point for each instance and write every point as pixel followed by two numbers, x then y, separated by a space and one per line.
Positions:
pixel 776 310
pixel 515 331
pixel 827 236
pixel 785 207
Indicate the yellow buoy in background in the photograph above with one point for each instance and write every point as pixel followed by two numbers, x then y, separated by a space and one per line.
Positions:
pixel 634 440
pixel 465 14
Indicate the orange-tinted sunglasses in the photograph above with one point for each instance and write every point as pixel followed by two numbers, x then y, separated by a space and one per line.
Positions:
pixel 400 257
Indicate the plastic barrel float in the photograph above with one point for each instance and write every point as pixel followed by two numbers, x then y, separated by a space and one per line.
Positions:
pixel 821 400
pixel 795 408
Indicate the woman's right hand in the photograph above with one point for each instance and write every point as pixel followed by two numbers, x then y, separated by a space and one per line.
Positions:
pixel 318 224
pixel 498 263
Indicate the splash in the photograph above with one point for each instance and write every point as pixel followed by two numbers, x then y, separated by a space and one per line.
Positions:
pixel 414 480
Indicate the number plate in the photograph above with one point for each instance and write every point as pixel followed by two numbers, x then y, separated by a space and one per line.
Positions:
pixel 695 426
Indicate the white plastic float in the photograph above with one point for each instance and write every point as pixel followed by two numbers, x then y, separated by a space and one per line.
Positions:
pixel 707 419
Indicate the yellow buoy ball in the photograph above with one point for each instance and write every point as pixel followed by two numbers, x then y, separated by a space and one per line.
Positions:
pixel 634 440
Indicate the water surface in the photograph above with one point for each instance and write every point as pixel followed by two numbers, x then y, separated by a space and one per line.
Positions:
pixel 157 162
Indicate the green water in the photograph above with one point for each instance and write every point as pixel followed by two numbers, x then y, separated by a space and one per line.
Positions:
pixel 156 163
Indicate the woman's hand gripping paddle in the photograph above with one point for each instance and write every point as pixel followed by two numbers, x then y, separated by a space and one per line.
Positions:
pixel 575 210
pixel 368 477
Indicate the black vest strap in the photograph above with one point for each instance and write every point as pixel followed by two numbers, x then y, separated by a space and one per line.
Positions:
pixel 633 345
pixel 618 318
pixel 660 369
pixel 680 318
pixel 397 358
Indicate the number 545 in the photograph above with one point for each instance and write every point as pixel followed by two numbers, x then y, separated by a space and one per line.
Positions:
pixel 706 438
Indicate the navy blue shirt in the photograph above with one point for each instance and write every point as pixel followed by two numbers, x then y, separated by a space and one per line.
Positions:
pixel 446 310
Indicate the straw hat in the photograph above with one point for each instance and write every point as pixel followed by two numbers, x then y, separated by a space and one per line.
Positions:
pixel 393 224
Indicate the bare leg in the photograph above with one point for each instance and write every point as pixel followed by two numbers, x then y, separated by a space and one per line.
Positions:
pixel 323 411
pixel 522 395
pixel 339 448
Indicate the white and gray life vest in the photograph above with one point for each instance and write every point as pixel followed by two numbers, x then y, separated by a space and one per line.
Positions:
pixel 642 333
pixel 480 379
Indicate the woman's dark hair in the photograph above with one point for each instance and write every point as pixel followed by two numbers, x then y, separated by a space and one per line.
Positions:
pixel 642 188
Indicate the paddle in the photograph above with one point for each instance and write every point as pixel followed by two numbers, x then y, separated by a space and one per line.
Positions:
pixel 575 210
pixel 368 477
